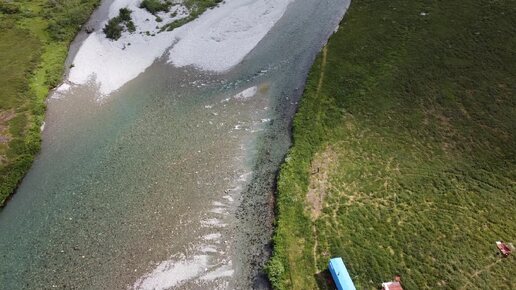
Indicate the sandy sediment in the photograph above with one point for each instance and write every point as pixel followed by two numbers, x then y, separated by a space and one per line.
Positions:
pixel 216 41
pixel 222 37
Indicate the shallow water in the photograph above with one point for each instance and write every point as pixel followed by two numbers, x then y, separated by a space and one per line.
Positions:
pixel 168 182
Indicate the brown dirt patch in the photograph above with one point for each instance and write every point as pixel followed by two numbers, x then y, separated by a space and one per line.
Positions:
pixel 5 116
pixel 321 166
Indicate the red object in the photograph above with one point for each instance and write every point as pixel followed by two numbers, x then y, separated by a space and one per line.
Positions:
pixel 391 286
pixel 504 249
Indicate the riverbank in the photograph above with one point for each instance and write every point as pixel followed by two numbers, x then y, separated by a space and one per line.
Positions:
pixel 35 39
pixel 404 151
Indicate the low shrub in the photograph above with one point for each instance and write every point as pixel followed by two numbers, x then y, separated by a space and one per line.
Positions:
pixel 130 26
pixel 155 6
pixel 275 270
pixel 119 24
pixel 9 8
pixel 113 29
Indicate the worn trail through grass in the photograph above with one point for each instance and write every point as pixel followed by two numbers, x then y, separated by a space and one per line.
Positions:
pixel 323 69
pixel 319 86
pixel 478 273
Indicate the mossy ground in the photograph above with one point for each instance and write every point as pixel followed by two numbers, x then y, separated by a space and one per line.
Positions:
pixel 416 101
pixel 35 36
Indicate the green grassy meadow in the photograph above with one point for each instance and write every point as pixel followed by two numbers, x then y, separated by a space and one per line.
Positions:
pixel 34 40
pixel 407 130
pixel 196 8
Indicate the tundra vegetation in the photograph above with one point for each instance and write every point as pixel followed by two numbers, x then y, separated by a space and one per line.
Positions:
pixel 195 9
pixel 123 22
pixel 35 36
pixel 404 150
pixel 155 6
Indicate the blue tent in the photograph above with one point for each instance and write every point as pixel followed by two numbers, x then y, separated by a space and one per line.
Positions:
pixel 340 275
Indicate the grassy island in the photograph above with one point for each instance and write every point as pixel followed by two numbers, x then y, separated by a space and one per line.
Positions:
pixel 35 36
pixel 404 150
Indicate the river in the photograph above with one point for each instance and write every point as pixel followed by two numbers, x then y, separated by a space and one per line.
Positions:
pixel 168 182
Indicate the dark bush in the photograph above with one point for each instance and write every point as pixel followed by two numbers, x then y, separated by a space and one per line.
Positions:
pixel 113 29
pixel 9 8
pixel 56 31
pixel 66 18
pixel 125 14
pixel 115 26
pixel 155 6
pixel 130 26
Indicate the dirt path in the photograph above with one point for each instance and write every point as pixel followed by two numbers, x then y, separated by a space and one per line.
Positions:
pixel 316 209
pixel 323 67
pixel 476 273
pixel 314 250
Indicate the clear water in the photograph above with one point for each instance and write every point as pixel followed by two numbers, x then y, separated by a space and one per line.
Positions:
pixel 169 182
